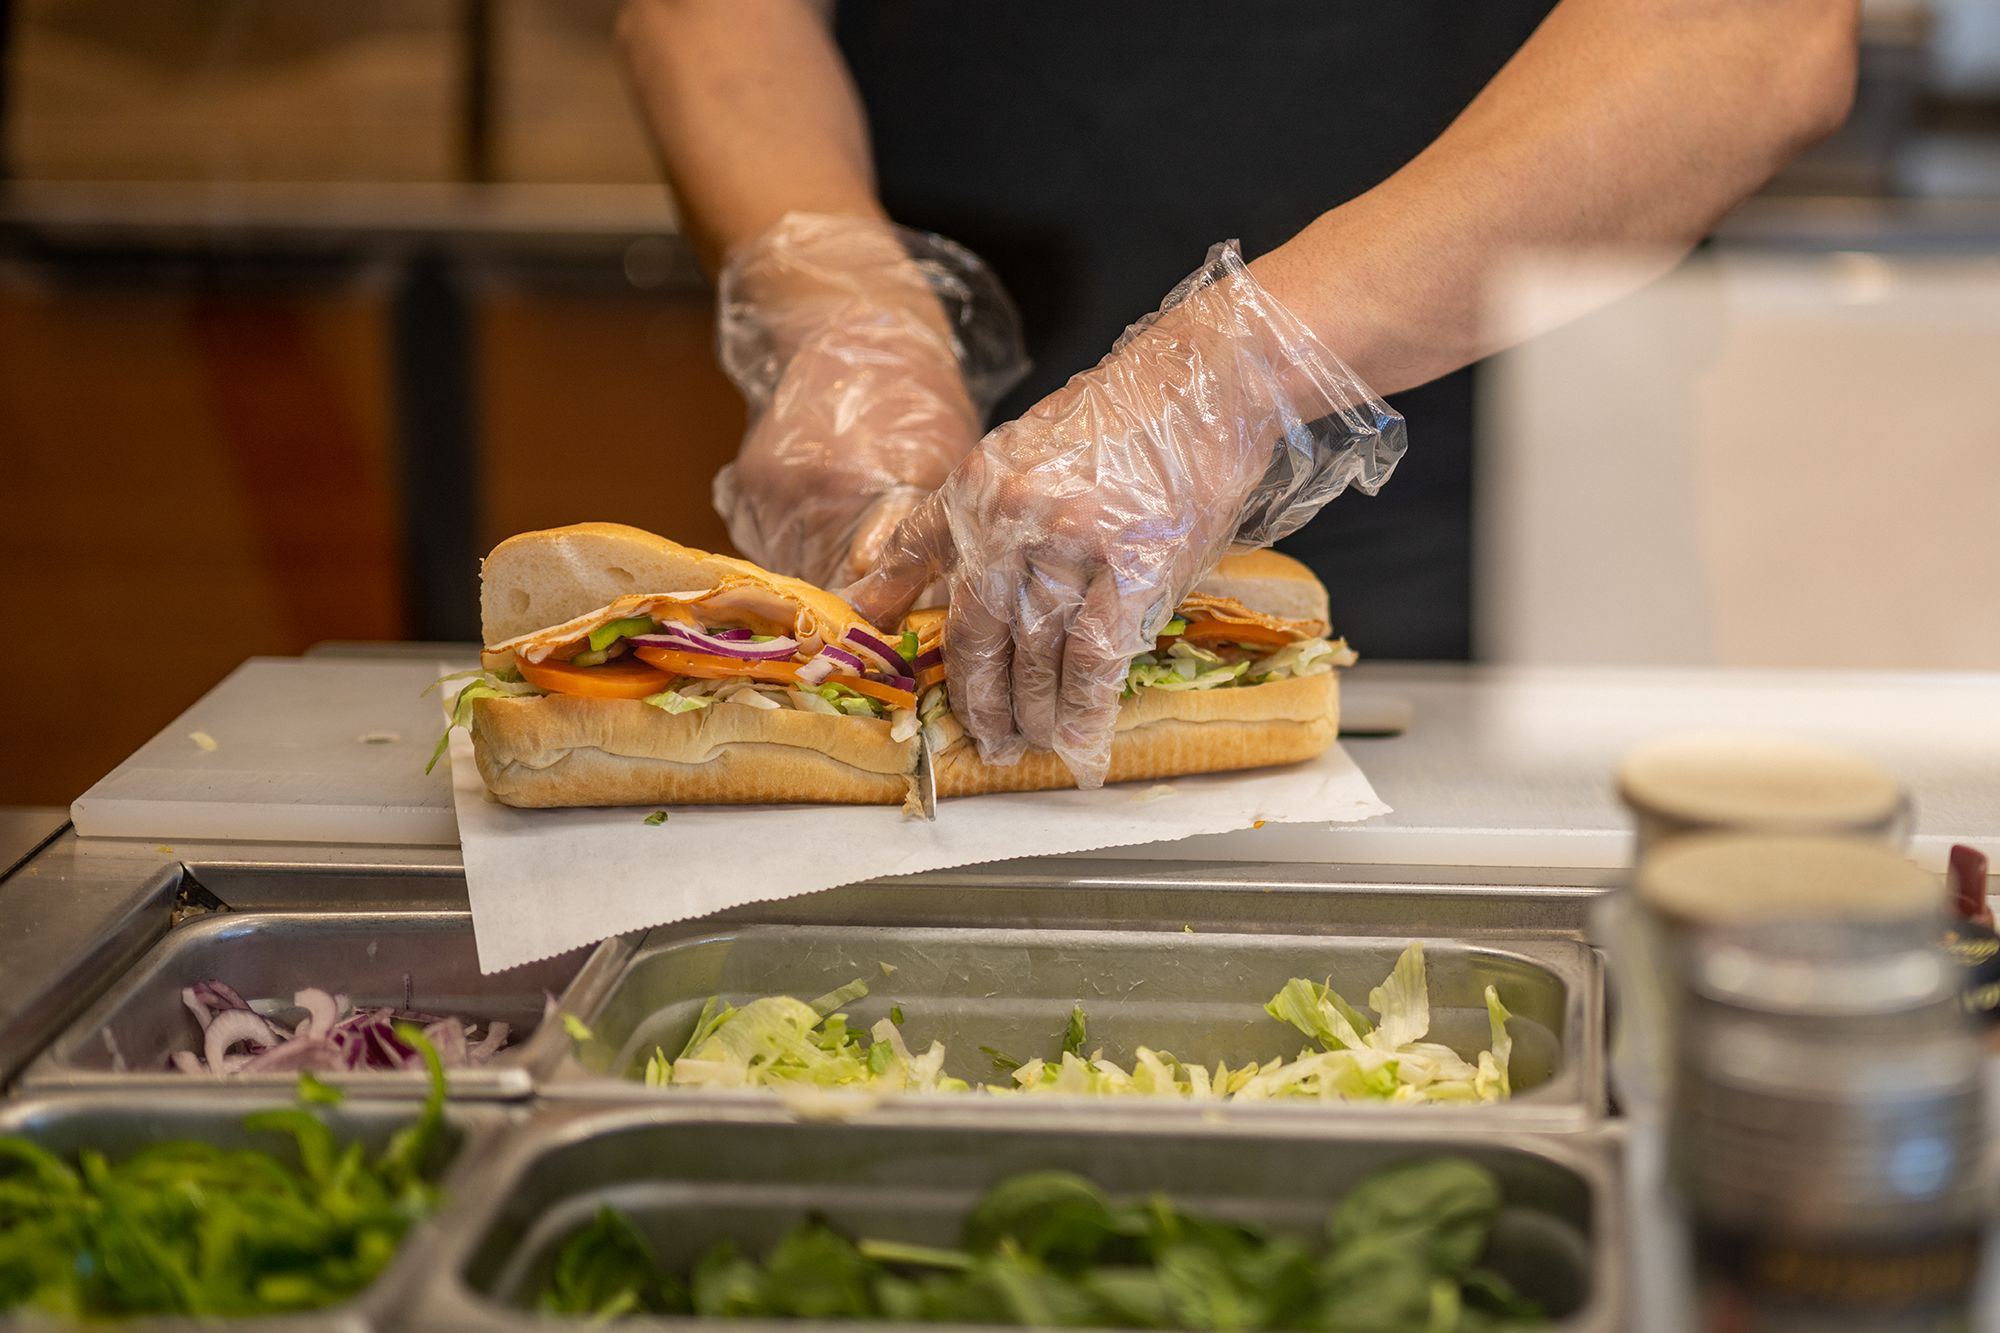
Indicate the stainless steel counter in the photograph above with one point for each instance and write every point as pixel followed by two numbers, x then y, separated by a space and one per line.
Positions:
pixel 23 830
pixel 1501 788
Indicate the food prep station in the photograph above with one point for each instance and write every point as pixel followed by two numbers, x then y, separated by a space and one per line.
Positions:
pixel 1167 945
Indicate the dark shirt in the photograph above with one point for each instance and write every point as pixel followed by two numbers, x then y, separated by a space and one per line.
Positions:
pixel 1091 151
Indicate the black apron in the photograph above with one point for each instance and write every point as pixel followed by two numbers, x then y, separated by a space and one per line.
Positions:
pixel 1091 151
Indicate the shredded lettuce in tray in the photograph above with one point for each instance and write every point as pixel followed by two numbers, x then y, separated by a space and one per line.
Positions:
pixel 778 1041
pixel 781 1042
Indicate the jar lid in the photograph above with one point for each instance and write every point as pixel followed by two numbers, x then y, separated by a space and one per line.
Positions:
pixel 1736 879
pixel 1768 783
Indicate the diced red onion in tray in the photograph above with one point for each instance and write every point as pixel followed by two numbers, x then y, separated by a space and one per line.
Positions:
pixel 334 1038
pixel 684 638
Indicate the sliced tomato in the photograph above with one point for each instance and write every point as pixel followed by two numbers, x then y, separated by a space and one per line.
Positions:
pixel 887 694
pixel 1208 632
pixel 620 678
pixel 714 666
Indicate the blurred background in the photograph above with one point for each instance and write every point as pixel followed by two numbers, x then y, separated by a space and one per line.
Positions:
pixel 303 306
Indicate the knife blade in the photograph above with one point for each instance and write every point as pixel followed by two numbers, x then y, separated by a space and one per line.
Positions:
pixel 926 778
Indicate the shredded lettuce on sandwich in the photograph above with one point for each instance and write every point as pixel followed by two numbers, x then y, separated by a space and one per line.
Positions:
pixel 1179 664
pixel 1214 644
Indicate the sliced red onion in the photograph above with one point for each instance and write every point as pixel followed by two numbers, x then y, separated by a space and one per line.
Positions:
pixel 232 1026
pixel 884 653
pixel 447 1037
pixel 331 1039
pixel 681 638
pixel 930 657
pixel 489 1045
pixel 844 662
pixel 320 1011
pixel 218 995
pixel 831 661
pixel 889 678
pixel 312 1053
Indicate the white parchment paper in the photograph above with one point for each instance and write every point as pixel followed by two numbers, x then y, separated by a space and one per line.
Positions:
pixel 543 881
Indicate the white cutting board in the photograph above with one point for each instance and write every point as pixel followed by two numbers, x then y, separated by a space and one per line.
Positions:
pixel 320 750
pixel 1512 766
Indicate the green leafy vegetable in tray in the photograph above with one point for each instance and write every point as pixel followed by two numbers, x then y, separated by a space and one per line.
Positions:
pixel 1401 1254
pixel 188 1228
pixel 781 1042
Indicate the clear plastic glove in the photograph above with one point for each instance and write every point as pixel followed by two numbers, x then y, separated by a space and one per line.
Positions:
pixel 1067 538
pixel 869 355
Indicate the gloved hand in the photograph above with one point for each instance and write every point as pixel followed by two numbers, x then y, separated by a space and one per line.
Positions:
pixel 1068 537
pixel 869 355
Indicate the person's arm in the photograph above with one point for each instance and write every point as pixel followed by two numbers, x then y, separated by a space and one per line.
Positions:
pixel 864 386
pixel 1070 533
pixel 1621 123
pixel 753 112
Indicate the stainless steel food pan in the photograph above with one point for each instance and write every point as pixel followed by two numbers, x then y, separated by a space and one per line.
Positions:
pixel 117 1125
pixel 126 1038
pixel 691 1175
pixel 1199 995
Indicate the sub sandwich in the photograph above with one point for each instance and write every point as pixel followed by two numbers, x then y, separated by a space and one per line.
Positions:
pixel 624 669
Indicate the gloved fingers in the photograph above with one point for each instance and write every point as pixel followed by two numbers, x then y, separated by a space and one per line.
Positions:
pixel 1047 604
pixel 878 522
pixel 915 552
pixel 1095 660
pixel 979 649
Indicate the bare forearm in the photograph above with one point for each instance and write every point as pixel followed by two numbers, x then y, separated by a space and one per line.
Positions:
pixel 753 113
pixel 1623 123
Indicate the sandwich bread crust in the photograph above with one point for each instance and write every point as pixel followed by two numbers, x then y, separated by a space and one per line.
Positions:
pixel 1171 733
pixel 1273 583
pixel 540 579
pixel 556 750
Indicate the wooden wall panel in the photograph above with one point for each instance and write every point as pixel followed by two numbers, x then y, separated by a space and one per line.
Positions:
pixel 243 91
pixel 603 407
pixel 189 479
pixel 561 110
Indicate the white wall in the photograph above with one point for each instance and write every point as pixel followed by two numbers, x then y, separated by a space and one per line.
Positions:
pixel 1754 462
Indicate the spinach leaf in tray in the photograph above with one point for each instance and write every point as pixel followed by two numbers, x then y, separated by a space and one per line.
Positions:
pixel 1050 1249
pixel 189 1228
